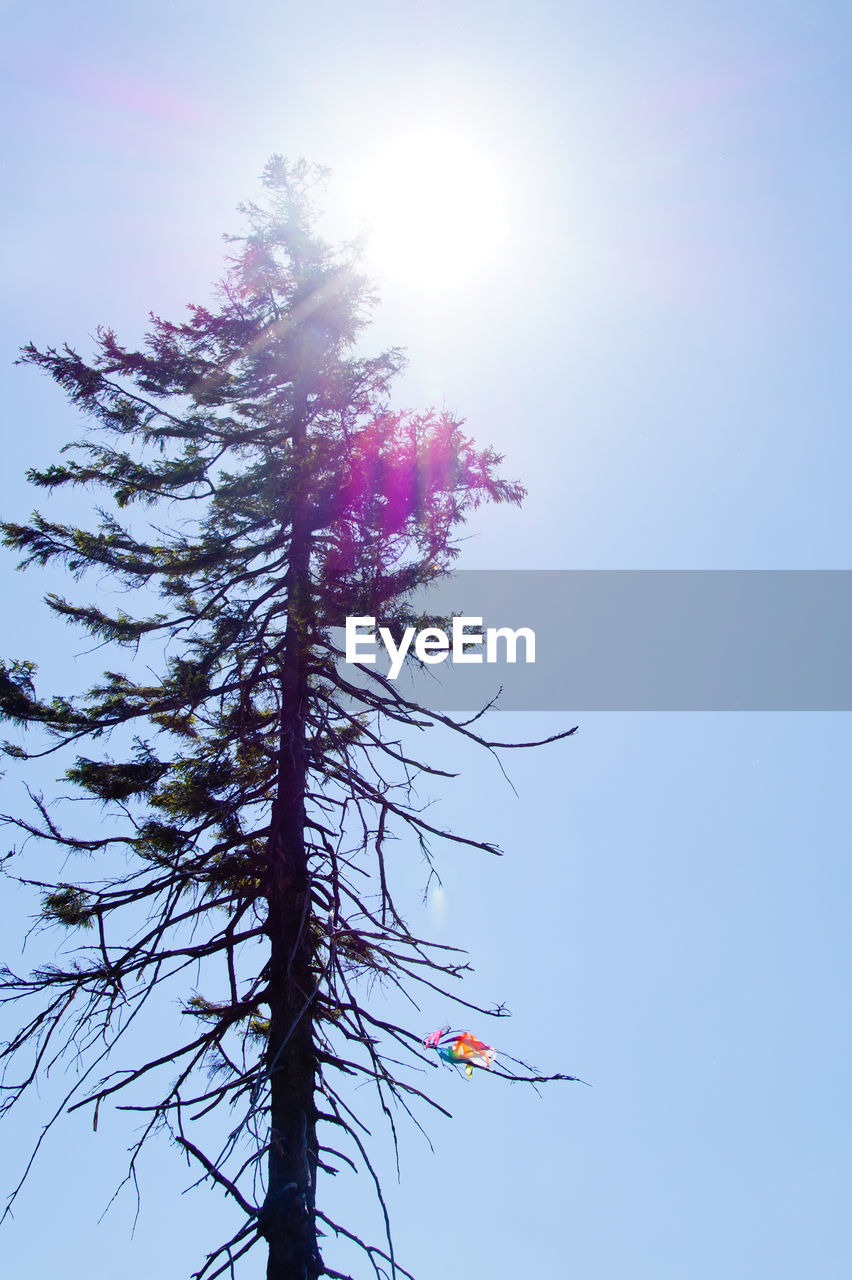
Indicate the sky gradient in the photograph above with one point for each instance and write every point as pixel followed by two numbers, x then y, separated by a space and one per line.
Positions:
pixel 660 348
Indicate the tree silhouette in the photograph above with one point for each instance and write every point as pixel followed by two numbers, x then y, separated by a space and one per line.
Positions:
pixel 289 495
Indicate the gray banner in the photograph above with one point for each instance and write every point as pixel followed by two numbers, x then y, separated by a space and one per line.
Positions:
pixel 639 641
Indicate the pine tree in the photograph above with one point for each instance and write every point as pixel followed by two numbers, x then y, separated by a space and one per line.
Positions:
pixel 255 779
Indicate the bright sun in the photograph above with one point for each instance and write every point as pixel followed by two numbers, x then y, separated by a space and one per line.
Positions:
pixel 435 209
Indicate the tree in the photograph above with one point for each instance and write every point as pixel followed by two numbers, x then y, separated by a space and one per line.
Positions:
pixel 268 780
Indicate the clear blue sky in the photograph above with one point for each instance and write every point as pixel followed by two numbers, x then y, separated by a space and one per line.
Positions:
pixel 661 348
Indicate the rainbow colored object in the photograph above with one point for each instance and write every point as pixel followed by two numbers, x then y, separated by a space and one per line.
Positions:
pixel 461 1048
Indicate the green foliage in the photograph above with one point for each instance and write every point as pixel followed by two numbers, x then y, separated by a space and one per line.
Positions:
pixel 109 781
pixel 69 906
pixel 255 418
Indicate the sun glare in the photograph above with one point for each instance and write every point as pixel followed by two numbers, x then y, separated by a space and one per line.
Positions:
pixel 434 207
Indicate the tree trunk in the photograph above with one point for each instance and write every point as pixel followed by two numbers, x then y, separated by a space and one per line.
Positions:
pixel 287 1218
